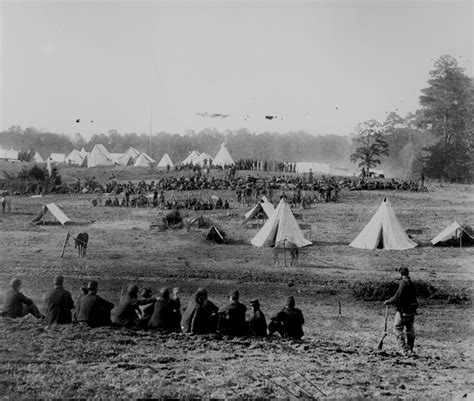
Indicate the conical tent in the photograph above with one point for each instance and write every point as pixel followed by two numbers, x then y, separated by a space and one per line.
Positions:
pixel 280 226
pixel 83 152
pixel 264 206
pixel 223 157
pixel 193 158
pixel 99 156
pixel 55 211
pixel 383 231
pixel 143 161
pixel 165 161
pixel 454 234
pixel 130 153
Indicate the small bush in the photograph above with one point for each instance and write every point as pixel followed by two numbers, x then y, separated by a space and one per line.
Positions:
pixel 382 290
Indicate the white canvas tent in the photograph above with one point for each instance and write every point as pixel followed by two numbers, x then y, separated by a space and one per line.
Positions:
pixel 8 154
pixel 74 157
pixel 204 159
pixel 143 160
pixel 165 161
pixel 128 157
pixel 280 226
pixel 223 157
pixel 83 152
pixel 193 158
pixel 55 211
pixel 99 156
pixel 37 158
pixel 264 207
pixel 455 233
pixel 383 231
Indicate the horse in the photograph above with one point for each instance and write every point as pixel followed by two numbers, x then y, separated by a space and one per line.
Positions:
pixel 284 246
pixel 81 243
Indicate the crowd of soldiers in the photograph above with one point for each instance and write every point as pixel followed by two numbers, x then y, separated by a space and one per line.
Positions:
pixel 383 185
pixel 165 312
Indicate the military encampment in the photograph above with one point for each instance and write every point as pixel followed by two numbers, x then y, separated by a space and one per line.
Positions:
pixel 236 200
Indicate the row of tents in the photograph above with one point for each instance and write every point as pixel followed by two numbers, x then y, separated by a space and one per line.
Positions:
pixel 100 156
pixel 383 231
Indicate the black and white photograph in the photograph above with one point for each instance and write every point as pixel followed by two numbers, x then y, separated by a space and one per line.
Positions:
pixel 237 199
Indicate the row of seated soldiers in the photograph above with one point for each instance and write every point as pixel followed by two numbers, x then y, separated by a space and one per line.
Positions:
pixel 392 184
pixel 165 312
pixel 190 203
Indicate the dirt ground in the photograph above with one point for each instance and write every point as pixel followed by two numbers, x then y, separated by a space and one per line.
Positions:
pixel 336 358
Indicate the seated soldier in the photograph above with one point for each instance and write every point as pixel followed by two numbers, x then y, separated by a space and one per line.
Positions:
pixel 232 317
pixel 93 310
pixel 212 309
pixel 257 323
pixel 18 305
pixel 59 304
pixel 288 322
pixel 166 313
pixel 83 291
pixel 126 313
pixel 196 319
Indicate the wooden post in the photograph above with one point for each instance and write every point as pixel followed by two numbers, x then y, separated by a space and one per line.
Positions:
pixel 65 242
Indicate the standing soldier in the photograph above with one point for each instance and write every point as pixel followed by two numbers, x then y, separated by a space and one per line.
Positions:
pixel 406 304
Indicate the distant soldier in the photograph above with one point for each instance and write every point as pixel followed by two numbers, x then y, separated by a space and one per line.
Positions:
pixel 232 317
pixel 18 305
pixel 406 304
pixel 288 322
pixel 166 313
pixel 422 179
pixel 4 203
pixel 59 304
pixel 257 322
pixel 126 314
pixel 93 310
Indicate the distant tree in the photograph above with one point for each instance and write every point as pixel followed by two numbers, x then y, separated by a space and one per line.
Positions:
pixel 448 113
pixel 370 144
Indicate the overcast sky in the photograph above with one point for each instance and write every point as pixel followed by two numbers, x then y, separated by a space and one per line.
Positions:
pixel 320 66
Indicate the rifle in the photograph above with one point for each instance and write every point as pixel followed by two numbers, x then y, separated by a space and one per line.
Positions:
pixel 384 330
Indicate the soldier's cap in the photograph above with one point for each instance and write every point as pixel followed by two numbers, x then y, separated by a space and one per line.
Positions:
pixel 16 282
pixel 59 280
pixel 290 301
pixel 203 291
pixel 165 292
pixel 92 285
pixel 255 302
pixel 234 294
pixel 404 271
pixel 132 289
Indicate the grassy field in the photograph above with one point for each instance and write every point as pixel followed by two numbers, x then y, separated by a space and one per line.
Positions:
pixel 337 354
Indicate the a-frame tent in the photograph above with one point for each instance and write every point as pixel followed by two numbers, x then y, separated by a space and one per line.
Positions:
pixel 263 207
pixel 223 157
pixel 37 158
pixel 99 156
pixel 216 235
pixel 130 153
pixel 454 234
pixel 55 211
pixel 383 231
pixel 282 225
pixel 193 158
pixel 165 161
pixel 143 161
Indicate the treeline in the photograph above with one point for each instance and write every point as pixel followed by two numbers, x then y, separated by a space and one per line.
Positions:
pixel 404 144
